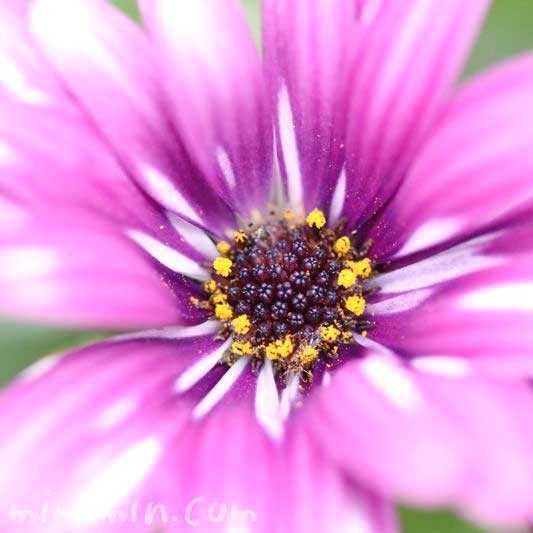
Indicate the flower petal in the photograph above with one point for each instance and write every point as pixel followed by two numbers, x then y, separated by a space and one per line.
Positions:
pixel 214 82
pixel 73 268
pixel 469 306
pixel 307 58
pixel 137 451
pixel 488 129
pixel 409 56
pixel 107 64
pixel 429 440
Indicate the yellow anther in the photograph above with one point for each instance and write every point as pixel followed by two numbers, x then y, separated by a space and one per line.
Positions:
pixel 356 304
pixel 347 335
pixel 223 247
pixel 194 300
pixel 241 324
pixel 308 355
pixel 223 311
pixel 361 269
pixel 272 351
pixel 346 278
pixel 316 218
pixel 222 266
pixel 242 348
pixel 342 246
pixel 220 298
pixel 329 333
pixel 289 214
pixel 240 236
pixel 210 286
pixel 285 347
pixel 364 333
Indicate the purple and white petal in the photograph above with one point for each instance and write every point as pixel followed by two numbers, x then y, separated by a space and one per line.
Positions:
pixel 307 52
pixel 214 82
pixel 76 269
pixel 487 127
pixel 89 45
pixel 410 54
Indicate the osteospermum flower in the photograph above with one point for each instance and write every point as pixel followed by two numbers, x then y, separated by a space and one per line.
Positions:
pixel 344 323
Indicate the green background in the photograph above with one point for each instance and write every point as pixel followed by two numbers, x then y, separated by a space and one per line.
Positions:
pixel 508 30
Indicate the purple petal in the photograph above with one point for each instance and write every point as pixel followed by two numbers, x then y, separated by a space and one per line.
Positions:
pixel 487 128
pixel 76 269
pixel 409 56
pixel 306 55
pixel 138 441
pixel 464 442
pixel 107 64
pixel 215 85
pixel 467 309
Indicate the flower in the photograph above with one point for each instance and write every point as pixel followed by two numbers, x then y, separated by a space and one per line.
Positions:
pixel 136 170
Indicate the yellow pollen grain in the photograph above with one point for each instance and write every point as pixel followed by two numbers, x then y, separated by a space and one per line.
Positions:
pixel 346 278
pixel 210 286
pixel 272 351
pixel 240 236
pixel 223 247
pixel 289 214
pixel 364 333
pixel 223 311
pixel 342 246
pixel 347 335
pixel 194 300
pixel 220 298
pixel 242 348
pixel 308 355
pixel 362 269
pixel 222 266
pixel 316 218
pixel 329 333
pixel 356 305
pixel 241 324
pixel 285 347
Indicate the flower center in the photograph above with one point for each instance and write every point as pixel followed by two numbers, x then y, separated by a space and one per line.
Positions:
pixel 289 291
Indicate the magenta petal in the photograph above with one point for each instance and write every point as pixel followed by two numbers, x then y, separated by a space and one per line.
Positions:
pixel 307 47
pixel 488 128
pixel 107 63
pixel 467 308
pixel 138 441
pixel 214 82
pixel 75 269
pixel 410 54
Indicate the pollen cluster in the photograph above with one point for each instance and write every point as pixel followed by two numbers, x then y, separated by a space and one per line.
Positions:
pixel 290 291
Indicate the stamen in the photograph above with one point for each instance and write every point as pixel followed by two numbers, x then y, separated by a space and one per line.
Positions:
pixel 222 266
pixel 316 218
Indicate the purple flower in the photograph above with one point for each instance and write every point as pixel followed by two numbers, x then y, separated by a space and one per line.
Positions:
pixel 344 323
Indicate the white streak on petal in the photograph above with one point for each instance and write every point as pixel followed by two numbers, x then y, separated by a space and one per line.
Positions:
pixel 290 150
pixel 289 395
pixel 339 196
pixel 326 379
pixel 116 413
pixel 392 381
pixel 399 304
pixel 200 369
pixel 453 263
pixel 442 365
pixel 221 388
pixel 114 483
pixel 226 167
pixel 429 234
pixel 168 256
pixel 7 155
pixel 175 332
pixel 28 262
pixel 505 297
pixel 14 80
pixel 166 193
pixel 267 403
pixel 39 368
pixel 194 235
